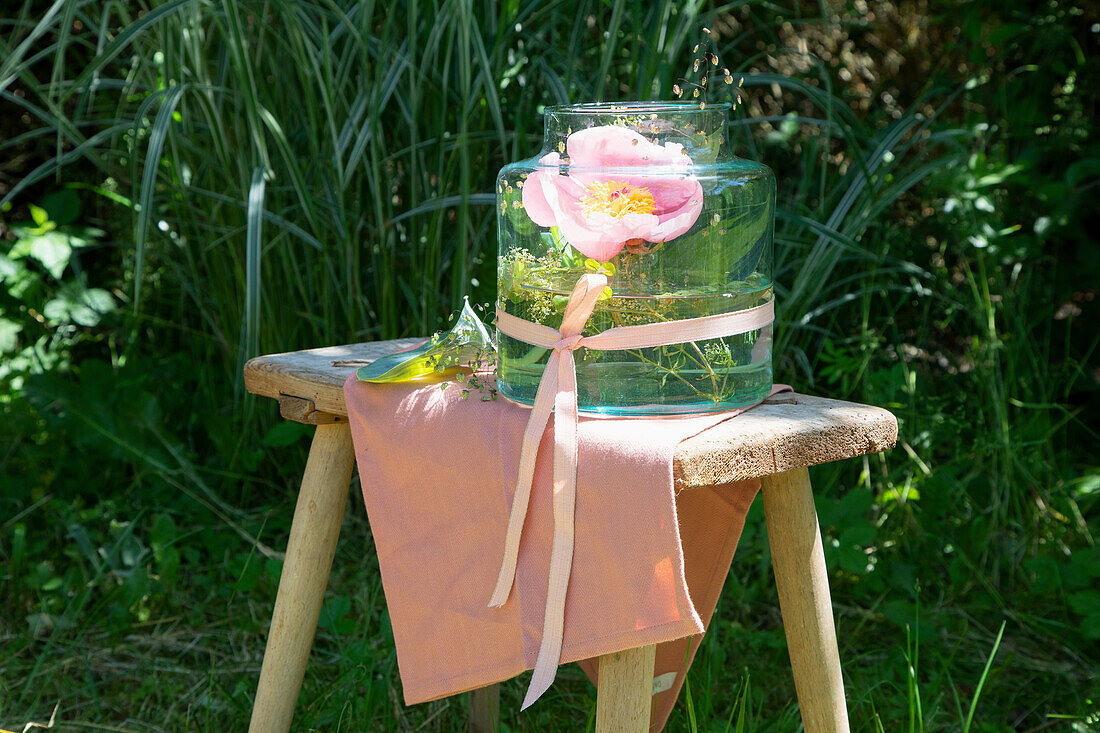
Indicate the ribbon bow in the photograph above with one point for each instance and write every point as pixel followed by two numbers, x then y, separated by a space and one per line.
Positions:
pixel 557 390
pixel 557 393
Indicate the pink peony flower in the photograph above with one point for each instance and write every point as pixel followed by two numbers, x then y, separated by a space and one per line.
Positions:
pixel 599 214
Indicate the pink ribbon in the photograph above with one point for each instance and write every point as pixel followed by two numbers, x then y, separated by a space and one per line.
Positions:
pixel 557 392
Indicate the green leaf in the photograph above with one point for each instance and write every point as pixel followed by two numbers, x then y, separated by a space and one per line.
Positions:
pixel 82 307
pixel 162 538
pixel 39 215
pixel 62 207
pixel 1082 569
pixel 249 575
pixel 56 309
pixel 601 268
pixel 1044 571
pixel 9 335
pixel 466 340
pixel 903 576
pixel 899 612
pixel 1090 626
pixel 8 269
pixel 861 535
pixel 98 300
pixel 82 315
pixel 853 559
pixel 285 433
pixel 1085 602
pixel 52 249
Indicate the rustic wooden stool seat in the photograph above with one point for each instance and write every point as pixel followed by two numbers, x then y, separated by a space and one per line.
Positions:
pixel 775 442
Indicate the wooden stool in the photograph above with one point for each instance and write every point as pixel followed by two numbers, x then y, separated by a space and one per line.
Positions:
pixel 775 442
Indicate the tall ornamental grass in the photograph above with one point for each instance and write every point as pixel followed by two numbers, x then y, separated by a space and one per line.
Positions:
pixel 301 173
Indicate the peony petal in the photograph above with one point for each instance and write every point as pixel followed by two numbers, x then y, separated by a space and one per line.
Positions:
pixel 538 191
pixel 631 226
pixel 617 146
pixel 536 202
pixel 679 201
pixel 600 251
pixel 552 199
pixel 674 226
pixel 601 236
pixel 670 193
pixel 676 222
pixel 550 160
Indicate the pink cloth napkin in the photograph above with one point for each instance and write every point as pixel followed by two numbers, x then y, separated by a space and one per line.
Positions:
pixel 438 473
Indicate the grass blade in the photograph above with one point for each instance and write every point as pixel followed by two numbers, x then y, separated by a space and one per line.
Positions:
pixel 981 680
pixel 253 252
pixel 14 59
pixel 132 32
pixel 149 178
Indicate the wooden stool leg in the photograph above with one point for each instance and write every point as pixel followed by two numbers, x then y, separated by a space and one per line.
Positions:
pixel 799 563
pixel 624 690
pixel 309 552
pixel 485 709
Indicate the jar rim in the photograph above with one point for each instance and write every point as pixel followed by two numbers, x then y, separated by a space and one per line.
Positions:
pixel 635 107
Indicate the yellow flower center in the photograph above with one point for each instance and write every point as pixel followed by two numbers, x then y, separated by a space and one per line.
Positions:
pixel 617 199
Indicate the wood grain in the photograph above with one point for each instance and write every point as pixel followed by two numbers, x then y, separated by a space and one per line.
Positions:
pixel 311 375
pixel 624 690
pixel 787 432
pixel 798 560
pixel 309 553
pixel 304 411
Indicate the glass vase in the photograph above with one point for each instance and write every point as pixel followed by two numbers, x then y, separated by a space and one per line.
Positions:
pixel 648 195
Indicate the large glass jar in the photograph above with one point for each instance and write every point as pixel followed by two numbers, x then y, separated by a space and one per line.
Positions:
pixel 649 195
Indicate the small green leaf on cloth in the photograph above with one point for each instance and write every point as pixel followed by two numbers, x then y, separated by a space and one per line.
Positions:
pixel 464 345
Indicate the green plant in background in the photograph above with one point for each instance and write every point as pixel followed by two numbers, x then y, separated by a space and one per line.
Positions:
pixel 47 306
pixel 274 175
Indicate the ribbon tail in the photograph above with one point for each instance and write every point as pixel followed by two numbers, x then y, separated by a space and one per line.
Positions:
pixel 536 424
pixel 561 555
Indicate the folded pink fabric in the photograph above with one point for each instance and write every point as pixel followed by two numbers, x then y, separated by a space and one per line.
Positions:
pixel 438 473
